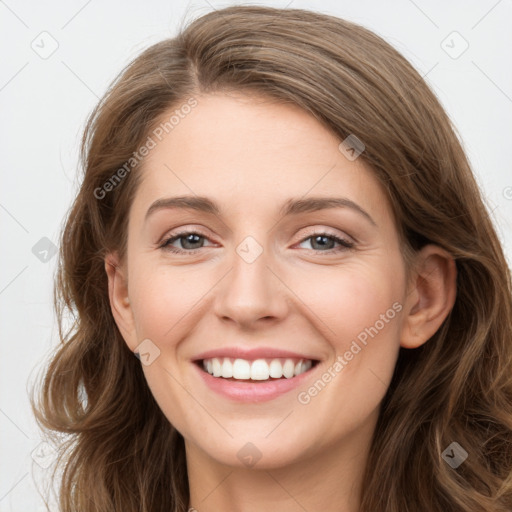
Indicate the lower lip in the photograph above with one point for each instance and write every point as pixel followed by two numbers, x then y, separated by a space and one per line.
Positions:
pixel 242 391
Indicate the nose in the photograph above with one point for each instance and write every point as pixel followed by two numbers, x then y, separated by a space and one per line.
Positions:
pixel 251 294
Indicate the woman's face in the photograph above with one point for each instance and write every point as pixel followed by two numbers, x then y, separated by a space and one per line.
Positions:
pixel 262 276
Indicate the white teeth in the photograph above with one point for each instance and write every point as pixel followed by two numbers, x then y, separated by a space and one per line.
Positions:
pixel 241 369
pixel 288 369
pixel 227 368
pixel 259 369
pixel 217 371
pixel 276 369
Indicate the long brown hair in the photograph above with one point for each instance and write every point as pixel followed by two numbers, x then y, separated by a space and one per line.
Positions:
pixel 122 453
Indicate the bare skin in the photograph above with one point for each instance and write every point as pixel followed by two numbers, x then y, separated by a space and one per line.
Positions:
pixel 303 293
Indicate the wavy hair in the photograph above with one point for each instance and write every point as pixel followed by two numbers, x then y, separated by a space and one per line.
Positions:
pixel 120 452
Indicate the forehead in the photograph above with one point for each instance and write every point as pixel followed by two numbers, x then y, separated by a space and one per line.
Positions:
pixel 248 151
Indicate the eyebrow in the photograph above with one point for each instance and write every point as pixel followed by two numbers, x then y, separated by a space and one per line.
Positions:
pixel 290 207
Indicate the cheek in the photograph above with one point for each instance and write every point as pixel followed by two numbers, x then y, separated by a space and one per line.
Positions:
pixel 165 302
pixel 162 299
pixel 349 300
pixel 362 312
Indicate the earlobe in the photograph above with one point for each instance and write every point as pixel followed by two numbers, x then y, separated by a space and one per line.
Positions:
pixel 431 297
pixel 119 301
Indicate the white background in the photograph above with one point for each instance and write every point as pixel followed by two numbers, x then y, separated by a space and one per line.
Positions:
pixel 44 103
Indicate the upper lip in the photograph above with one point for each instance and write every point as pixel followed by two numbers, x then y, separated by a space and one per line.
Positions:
pixel 252 353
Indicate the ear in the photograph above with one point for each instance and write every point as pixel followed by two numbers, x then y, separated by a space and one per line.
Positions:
pixel 431 295
pixel 119 300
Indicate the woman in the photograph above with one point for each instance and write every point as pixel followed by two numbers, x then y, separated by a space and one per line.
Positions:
pixel 278 220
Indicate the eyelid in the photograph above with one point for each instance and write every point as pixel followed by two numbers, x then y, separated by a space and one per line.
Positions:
pixel 330 232
pixel 345 243
pixel 314 231
pixel 166 240
pixel 182 230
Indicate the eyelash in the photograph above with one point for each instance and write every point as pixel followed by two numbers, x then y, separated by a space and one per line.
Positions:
pixel 346 245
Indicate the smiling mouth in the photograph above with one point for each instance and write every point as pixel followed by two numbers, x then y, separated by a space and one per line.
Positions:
pixel 258 370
